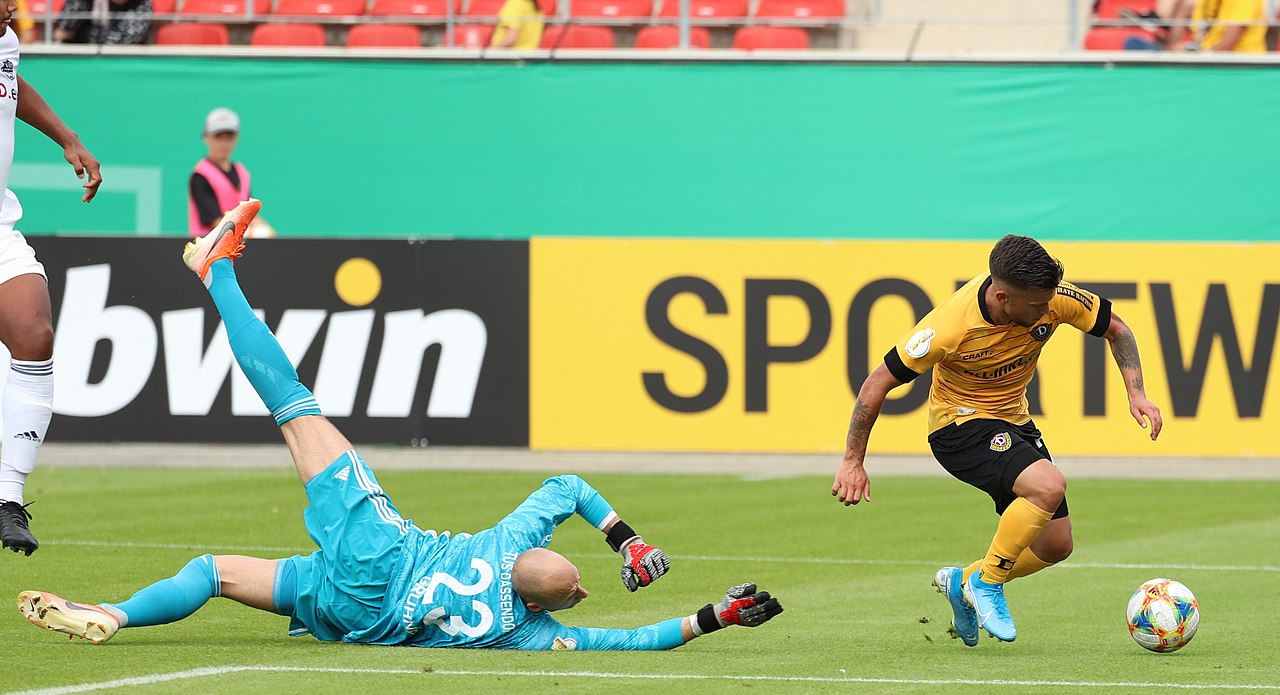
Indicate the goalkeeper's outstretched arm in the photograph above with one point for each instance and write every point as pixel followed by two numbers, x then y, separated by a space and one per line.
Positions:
pixel 742 605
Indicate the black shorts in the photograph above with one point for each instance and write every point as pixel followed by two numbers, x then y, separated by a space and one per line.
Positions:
pixel 990 455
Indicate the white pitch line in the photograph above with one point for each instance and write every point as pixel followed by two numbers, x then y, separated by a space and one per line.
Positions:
pixel 714 558
pixel 225 670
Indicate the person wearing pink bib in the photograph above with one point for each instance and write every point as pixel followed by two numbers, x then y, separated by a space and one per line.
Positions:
pixel 218 184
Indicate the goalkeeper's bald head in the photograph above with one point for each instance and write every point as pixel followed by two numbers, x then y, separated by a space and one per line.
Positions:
pixel 547 581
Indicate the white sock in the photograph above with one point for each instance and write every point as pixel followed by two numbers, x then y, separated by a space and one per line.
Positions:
pixel 27 406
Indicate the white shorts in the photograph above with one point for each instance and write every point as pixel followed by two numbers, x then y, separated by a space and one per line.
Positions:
pixel 16 256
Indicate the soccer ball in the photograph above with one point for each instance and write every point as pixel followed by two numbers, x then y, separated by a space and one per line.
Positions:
pixel 1163 615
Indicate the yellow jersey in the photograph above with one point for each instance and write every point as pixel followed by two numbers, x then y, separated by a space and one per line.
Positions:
pixel 524 17
pixel 980 369
pixel 1208 16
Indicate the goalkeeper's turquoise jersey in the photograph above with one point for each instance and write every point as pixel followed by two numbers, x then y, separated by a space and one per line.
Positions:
pixel 466 579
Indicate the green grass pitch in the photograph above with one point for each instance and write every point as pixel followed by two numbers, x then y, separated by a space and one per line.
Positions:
pixel 860 615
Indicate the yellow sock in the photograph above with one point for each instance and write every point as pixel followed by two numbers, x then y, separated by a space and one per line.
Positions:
pixel 1019 526
pixel 1028 563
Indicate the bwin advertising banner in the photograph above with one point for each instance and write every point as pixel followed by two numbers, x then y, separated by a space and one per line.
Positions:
pixel 406 342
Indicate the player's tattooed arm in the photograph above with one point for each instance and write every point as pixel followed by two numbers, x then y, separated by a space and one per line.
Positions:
pixel 851 484
pixel 1124 349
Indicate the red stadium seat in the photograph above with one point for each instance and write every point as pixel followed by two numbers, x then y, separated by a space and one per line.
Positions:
pixel 472 35
pixel 483 8
pixel 40 8
pixel 620 9
pixel 669 37
pixel 770 38
pixel 384 36
pixel 1110 9
pixel 414 8
pixel 800 9
pixel 704 9
pixel 287 35
pixel 320 8
pixel 576 36
pixel 164 6
pixel 191 34
pixel 224 7
pixel 1112 38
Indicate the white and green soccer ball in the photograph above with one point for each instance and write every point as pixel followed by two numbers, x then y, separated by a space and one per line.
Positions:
pixel 1163 615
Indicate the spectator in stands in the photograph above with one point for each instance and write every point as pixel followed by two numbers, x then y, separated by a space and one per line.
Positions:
pixel 520 25
pixel 110 22
pixel 1214 25
pixel 25 24
pixel 218 184
pixel 1238 26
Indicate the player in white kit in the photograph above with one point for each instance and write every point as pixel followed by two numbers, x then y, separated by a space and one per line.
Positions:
pixel 26 324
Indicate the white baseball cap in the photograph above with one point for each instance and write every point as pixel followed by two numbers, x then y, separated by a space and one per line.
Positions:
pixel 221 120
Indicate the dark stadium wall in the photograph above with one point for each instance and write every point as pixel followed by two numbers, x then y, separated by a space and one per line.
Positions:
pixel 506 150
pixel 402 342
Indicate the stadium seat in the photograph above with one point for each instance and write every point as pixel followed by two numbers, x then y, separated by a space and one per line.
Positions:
pixel 800 9
pixel 472 35
pixel 384 36
pixel 612 9
pixel 224 7
pixel 287 35
pixel 664 37
pixel 706 9
pixel 575 36
pixel 1110 9
pixel 163 7
pixel 483 8
pixel 40 8
pixel 320 8
pixel 770 38
pixel 1113 38
pixel 414 8
pixel 192 34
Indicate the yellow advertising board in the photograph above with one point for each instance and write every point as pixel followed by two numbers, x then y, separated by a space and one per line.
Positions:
pixel 761 345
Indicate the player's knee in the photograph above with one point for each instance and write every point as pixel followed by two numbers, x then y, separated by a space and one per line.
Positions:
pixel 1057 550
pixel 32 342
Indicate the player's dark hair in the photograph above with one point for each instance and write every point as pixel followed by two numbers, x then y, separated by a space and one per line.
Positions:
pixel 1021 262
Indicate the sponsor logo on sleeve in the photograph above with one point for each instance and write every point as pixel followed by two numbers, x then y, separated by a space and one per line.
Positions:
pixel 920 343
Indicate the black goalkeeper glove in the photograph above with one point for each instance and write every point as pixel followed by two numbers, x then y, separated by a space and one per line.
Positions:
pixel 742 605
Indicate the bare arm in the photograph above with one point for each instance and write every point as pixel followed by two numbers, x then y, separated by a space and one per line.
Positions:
pixel 1227 42
pixel 1124 349
pixel 36 112
pixel 509 36
pixel 852 485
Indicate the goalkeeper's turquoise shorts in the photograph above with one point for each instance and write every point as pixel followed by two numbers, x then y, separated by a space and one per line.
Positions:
pixel 340 588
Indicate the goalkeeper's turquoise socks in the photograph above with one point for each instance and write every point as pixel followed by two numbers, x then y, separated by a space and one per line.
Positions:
pixel 170 599
pixel 257 351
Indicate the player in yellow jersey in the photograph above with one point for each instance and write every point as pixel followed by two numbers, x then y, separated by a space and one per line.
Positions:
pixel 983 344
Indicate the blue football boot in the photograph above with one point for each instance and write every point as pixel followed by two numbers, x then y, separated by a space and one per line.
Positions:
pixel 964 622
pixel 989 605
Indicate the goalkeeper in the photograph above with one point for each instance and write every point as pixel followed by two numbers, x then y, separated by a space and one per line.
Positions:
pixel 378 578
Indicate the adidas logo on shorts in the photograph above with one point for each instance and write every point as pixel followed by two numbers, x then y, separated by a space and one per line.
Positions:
pixel 343 474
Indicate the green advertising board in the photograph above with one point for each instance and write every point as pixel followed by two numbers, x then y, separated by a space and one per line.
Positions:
pixel 512 150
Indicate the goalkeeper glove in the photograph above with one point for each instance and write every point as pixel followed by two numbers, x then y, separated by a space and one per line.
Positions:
pixel 641 563
pixel 742 605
